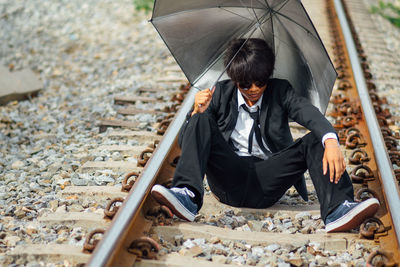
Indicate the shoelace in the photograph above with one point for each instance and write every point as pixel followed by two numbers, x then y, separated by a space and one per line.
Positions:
pixel 183 190
pixel 348 204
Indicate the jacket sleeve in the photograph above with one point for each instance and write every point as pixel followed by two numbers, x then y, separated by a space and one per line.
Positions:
pixel 302 111
pixel 212 109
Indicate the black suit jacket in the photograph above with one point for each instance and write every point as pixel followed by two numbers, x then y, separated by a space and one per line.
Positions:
pixel 280 104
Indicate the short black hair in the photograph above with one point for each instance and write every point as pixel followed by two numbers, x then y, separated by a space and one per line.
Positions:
pixel 254 62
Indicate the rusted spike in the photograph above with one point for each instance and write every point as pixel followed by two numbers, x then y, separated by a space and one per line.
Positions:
pixel 386 131
pixel 112 208
pixel 160 215
pixel 372 226
pixel 343 74
pixel 155 144
pixel 349 121
pixel 341 66
pixel 380 258
pixel 367 74
pixel 175 161
pixel 342 136
pixel 144 157
pixel 382 120
pixel 382 112
pixel 359 156
pixel 144 247
pixel 371 86
pixel 352 130
pixel 185 87
pixel 397 173
pixel 162 128
pixel 179 97
pixel 391 143
pixel 361 173
pixel 91 242
pixel 339 99
pixel 375 98
pixel 126 187
pixel 364 194
pixel 355 140
pixel 395 157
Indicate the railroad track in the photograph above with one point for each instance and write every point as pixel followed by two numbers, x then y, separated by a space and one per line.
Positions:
pixel 290 232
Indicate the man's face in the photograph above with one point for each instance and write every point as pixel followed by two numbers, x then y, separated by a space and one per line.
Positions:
pixel 253 93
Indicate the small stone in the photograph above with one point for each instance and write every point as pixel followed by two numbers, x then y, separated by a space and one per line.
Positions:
pixel 11 241
pixel 219 259
pixel 258 251
pixel 16 165
pixel 214 240
pixel 302 215
pixel 256 225
pixel 62 208
pixel 296 261
pixel 272 247
pixel 178 239
pixel 357 254
pixel 188 244
pixel 322 260
pixel 238 260
pixel 244 228
pixel 194 251
pixel 79 182
pixel 75 208
pixel 53 204
pixel 31 228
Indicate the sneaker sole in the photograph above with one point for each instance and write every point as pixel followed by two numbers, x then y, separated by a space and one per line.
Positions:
pixel 164 197
pixel 355 217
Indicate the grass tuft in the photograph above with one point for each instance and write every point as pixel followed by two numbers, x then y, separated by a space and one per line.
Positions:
pixel 146 5
pixel 389 11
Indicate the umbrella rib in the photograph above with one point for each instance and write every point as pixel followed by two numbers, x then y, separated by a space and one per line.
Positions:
pixel 295 22
pixel 234 13
pixel 197 9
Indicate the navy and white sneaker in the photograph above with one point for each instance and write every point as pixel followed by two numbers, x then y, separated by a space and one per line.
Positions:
pixel 350 215
pixel 178 200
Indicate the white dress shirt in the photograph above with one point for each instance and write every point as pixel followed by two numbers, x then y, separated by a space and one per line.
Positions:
pixel 244 123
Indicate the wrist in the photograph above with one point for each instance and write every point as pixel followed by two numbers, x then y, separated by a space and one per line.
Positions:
pixel 331 142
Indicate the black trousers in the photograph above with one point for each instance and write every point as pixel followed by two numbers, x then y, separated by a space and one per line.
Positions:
pixel 248 181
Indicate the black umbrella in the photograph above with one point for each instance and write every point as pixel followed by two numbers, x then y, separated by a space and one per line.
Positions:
pixel 197 33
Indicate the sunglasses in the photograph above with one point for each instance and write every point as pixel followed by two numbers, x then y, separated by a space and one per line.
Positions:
pixel 247 85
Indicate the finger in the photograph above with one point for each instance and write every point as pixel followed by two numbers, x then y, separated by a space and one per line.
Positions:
pixel 338 172
pixel 213 90
pixel 331 171
pixel 324 166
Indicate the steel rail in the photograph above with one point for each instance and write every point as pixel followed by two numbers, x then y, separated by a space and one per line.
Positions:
pixel 105 249
pixel 390 187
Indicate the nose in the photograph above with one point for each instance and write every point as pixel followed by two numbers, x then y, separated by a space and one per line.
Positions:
pixel 253 87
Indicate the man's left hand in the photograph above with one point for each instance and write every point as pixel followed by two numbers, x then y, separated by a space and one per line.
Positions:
pixel 334 160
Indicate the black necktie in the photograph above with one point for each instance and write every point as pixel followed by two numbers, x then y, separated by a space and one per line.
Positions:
pixel 255 130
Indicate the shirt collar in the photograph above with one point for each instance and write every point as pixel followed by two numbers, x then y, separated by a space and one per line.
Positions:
pixel 241 101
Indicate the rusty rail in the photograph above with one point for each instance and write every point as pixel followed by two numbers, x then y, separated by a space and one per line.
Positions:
pixel 389 184
pixel 105 251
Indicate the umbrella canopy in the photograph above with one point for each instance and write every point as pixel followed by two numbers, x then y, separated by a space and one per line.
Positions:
pixel 197 34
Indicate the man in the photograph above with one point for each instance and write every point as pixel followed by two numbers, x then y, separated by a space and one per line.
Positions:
pixel 238 135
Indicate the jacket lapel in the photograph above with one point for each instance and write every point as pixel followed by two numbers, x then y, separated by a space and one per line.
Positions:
pixel 264 123
pixel 232 117
pixel 263 113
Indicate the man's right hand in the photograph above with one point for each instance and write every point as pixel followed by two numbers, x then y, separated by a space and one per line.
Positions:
pixel 202 100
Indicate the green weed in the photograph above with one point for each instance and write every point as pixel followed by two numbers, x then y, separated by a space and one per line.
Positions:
pixel 388 11
pixel 146 5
